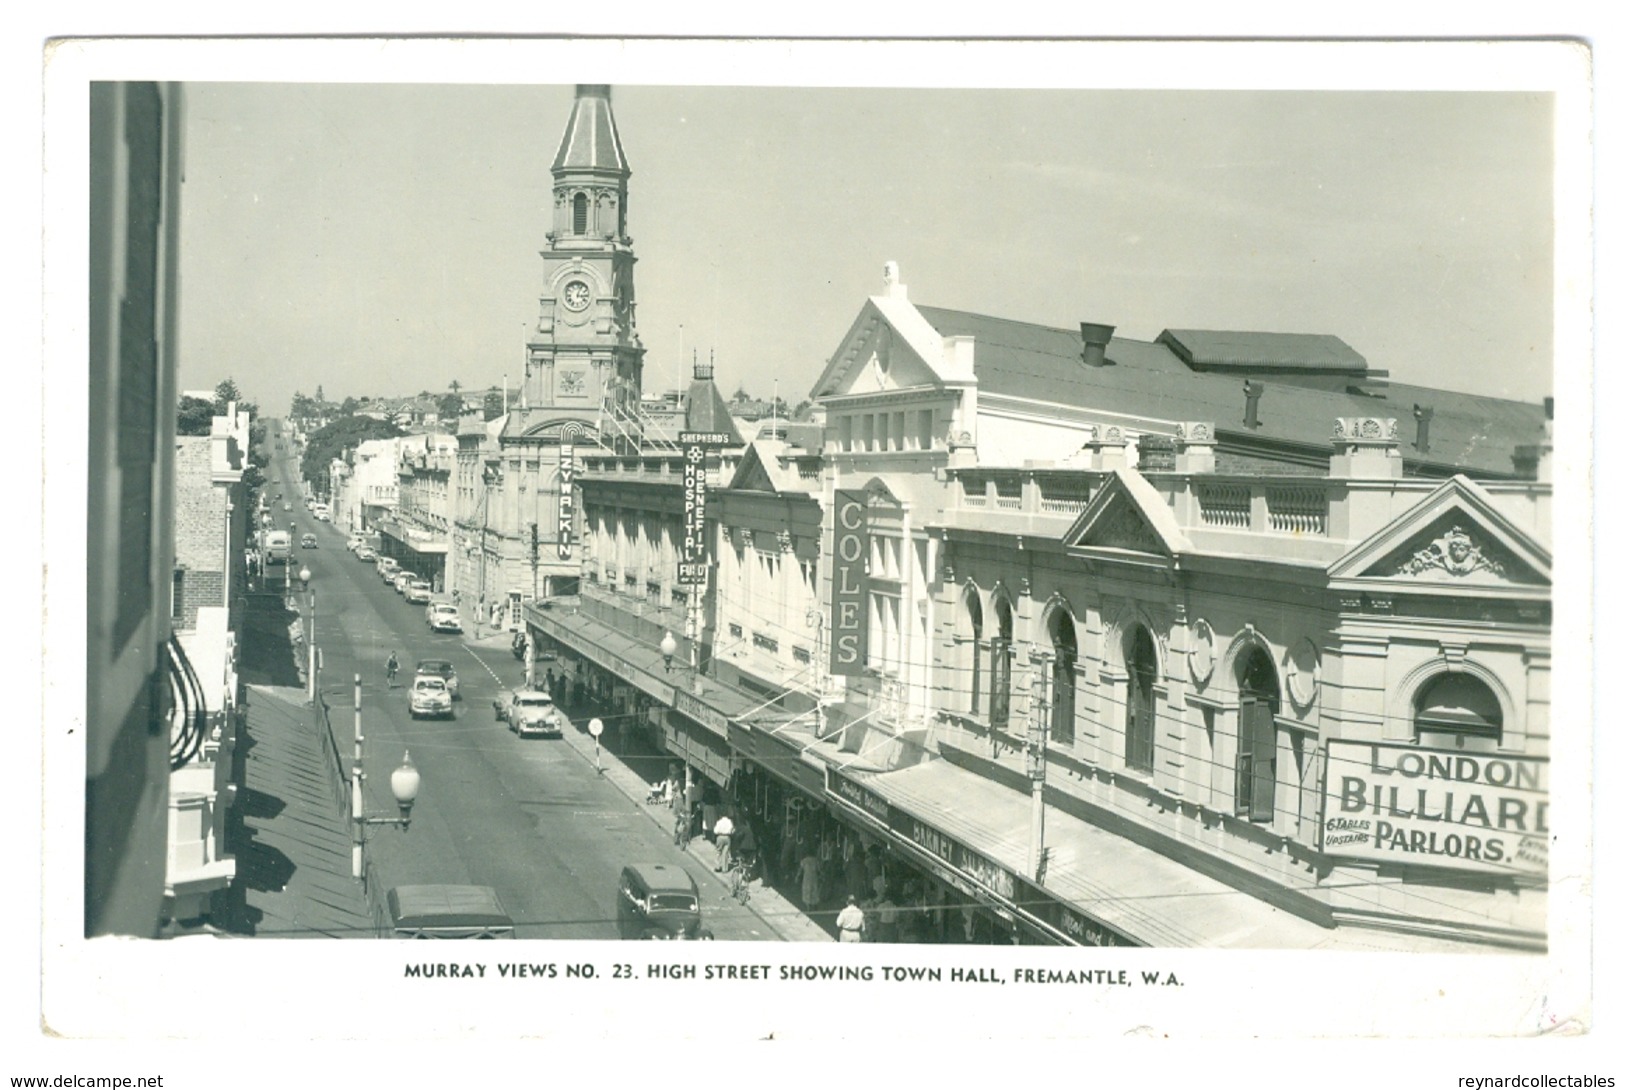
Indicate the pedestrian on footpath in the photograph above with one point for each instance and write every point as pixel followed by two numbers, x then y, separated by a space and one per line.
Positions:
pixel 724 829
pixel 849 924
pixel 682 834
pixel 809 880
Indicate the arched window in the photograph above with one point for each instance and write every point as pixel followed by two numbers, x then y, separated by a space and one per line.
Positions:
pixel 1140 660
pixel 579 214
pixel 1063 672
pixel 999 695
pixel 1458 711
pixel 1260 691
pixel 973 619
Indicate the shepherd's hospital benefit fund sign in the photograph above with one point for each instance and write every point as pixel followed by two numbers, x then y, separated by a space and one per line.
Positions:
pixel 1438 808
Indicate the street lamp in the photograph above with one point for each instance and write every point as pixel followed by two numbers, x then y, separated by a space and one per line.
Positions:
pixel 310 639
pixel 403 784
pixel 668 648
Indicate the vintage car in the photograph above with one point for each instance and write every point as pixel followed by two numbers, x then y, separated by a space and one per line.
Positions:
pixel 447 912
pixel 402 580
pixel 418 591
pixel 658 901
pixel 308 541
pixel 364 551
pixel 529 712
pixel 443 617
pixel 443 670
pixel 429 697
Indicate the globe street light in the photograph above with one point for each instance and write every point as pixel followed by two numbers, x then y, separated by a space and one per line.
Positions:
pixel 668 648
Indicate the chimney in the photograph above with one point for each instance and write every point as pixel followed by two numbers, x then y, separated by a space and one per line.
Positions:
pixel 895 288
pixel 1424 417
pixel 1253 391
pixel 1095 339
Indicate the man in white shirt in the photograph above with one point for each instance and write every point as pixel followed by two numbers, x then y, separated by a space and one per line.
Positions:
pixel 849 924
pixel 724 830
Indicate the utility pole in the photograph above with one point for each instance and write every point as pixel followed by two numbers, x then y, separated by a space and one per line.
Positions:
pixel 1037 742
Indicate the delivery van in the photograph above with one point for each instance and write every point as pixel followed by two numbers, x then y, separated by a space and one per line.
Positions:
pixel 278 546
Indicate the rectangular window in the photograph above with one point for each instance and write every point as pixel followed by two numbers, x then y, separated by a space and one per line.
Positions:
pixel 1255 762
pixel 766 643
pixel 736 631
pixel 801 654
pixel 177 594
pixel 999 704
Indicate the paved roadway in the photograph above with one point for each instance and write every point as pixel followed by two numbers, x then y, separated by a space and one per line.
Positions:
pixel 528 817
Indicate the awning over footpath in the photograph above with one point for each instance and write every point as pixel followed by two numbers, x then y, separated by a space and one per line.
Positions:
pixel 635 663
pixel 979 830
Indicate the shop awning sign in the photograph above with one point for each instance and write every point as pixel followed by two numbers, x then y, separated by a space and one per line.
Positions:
pixel 1403 804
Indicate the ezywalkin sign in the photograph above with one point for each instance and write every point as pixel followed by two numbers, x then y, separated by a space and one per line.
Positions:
pixel 1397 803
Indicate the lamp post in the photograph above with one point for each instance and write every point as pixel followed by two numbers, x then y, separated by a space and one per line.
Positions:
pixel 310 638
pixel 1037 743
pixel 668 648
pixel 404 782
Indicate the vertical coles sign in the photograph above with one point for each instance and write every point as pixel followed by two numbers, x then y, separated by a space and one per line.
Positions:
pixel 849 627
pixel 567 498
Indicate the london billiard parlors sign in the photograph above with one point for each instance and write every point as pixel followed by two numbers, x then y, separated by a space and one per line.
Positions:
pixel 1396 803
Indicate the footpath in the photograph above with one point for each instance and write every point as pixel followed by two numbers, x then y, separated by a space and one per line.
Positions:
pixel 634 770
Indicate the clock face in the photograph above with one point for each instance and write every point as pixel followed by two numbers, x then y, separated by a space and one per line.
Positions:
pixel 577 295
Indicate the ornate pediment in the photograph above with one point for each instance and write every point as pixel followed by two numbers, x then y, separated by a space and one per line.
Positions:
pixel 1127 514
pixel 1122 527
pixel 1455 537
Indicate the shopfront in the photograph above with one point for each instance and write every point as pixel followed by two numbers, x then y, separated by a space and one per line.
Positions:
pixel 964 877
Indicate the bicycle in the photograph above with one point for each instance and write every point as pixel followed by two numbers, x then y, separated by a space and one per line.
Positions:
pixel 741 872
pixel 391 669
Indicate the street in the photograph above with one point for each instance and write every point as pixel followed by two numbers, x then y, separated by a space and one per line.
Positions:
pixel 530 818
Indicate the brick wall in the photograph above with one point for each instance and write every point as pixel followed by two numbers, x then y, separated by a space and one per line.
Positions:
pixel 198 588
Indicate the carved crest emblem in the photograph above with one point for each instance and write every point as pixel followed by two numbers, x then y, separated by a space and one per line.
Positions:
pixel 1454 553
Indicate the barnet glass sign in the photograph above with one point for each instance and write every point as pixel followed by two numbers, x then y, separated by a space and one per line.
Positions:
pixel 1397 803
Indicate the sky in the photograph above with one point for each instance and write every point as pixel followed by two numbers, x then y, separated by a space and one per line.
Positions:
pixel 380 239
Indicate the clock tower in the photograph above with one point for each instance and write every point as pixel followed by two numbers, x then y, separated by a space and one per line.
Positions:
pixel 585 349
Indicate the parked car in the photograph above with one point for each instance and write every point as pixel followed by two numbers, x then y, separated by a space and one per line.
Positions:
pixel 353 542
pixel 418 591
pixel 387 567
pixel 443 670
pixel 365 552
pixel 443 617
pixel 658 901
pixel 429 696
pixel 447 912
pixel 308 541
pixel 528 712
pixel 402 580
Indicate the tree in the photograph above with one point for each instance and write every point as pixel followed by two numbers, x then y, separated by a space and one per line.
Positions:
pixel 493 404
pixel 450 406
pixel 194 416
pixel 802 411
pixel 455 386
pixel 225 393
pixel 740 395
pixel 349 407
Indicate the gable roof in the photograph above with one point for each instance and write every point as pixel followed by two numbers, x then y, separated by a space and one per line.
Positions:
pixel 760 470
pixel 1043 363
pixel 1390 555
pixel 1126 506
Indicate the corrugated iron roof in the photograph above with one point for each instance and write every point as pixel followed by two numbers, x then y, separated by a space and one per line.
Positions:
pixel 707 411
pixel 1146 379
pixel 1203 348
